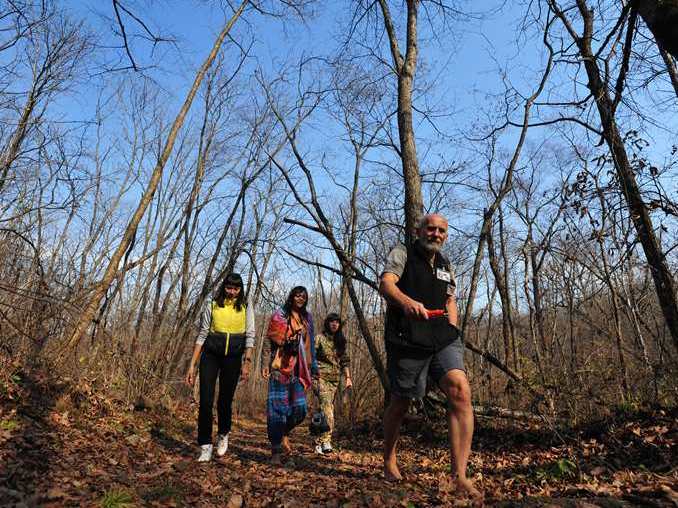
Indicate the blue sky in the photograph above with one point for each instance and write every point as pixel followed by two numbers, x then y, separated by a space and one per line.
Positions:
pixel 464 59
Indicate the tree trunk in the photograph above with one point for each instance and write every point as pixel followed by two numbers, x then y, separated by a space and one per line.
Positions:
pixel 405 69
pixel 671 68
pixel 507 285
pixel 661 16
pixel 503 296
pixel 367 335
pixel 537 292
pixel 529 297
pixel 351 232
pixel 614 304
pixel 11 151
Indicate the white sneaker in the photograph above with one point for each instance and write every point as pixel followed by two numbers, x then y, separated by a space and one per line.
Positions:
pixel 222 444
pixel 327 448
pixel 319 449
pixel 205 453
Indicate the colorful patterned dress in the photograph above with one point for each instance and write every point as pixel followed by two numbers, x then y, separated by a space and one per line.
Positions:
pixel 291 355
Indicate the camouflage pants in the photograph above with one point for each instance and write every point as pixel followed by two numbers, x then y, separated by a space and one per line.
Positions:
pixel 326 393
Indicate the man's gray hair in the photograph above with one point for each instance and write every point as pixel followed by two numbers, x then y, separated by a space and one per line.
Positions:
pixel 422 220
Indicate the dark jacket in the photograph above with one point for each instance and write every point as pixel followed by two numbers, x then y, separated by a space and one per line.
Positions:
pixel 430 285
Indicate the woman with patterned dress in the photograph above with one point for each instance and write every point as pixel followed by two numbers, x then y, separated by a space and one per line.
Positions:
pixel 289 364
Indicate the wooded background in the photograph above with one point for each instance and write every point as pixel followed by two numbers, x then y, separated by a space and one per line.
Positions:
pixel 123 201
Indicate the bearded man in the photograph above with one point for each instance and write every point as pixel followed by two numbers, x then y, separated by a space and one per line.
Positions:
pixel 416 280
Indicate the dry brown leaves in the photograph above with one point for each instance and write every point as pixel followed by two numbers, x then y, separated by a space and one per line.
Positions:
pixel 60 447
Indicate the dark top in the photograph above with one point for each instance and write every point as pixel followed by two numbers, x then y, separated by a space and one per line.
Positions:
pixel 430 284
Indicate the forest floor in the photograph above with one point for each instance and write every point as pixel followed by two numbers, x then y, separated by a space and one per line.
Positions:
pixel 65 447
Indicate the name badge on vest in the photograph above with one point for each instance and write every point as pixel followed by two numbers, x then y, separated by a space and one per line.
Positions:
pixel 443 275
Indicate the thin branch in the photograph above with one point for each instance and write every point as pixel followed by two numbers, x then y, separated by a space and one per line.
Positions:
pixel 124 36
pixel 626 56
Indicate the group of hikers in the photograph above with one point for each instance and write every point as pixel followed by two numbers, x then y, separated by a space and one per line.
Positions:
pixel 422 341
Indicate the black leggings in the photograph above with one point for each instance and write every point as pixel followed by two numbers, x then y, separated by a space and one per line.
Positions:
pixel 227 369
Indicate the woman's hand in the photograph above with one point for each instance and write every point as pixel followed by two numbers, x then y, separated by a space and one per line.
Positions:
pixel 348 382
pixel 190 376
pixel 265 372
pixel 245 370
pixel 190 373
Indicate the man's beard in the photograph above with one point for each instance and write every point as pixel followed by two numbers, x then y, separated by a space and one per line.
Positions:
pixel 429 246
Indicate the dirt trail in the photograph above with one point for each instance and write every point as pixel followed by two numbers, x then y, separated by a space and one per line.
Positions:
pixel 65 448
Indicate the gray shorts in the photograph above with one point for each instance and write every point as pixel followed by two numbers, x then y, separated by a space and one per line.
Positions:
pixel 408 368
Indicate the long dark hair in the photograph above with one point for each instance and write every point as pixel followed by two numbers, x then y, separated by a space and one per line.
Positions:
pixel 232 279
pixel 337 337
pixel 287 307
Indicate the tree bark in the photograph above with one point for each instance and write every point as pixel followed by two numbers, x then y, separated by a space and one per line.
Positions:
pixel 661 16
pixel 671 69
pixel 405 69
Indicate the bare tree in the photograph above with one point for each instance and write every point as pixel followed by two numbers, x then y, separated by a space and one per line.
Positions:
pixel 130 231
pixel 54 49
pixel 404 66
pixel 321 224
pixel 606 105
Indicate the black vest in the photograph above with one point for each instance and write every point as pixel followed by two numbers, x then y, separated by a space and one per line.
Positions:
pixel 420 282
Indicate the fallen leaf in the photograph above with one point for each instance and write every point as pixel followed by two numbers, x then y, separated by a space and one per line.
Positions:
pixel 235 501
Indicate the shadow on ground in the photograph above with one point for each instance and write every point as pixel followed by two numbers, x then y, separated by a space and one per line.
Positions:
pixel 30 442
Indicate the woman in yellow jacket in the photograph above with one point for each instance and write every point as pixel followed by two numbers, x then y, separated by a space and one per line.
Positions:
pixel 224 348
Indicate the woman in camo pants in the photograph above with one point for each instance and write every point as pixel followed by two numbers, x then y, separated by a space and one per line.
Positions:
pixel 333 360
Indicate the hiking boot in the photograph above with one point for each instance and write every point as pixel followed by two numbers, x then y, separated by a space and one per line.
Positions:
pixel 205 453
pixel 222 444
pixel 276 459
pixel 327 447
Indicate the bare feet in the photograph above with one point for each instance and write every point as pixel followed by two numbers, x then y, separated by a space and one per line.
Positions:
pixel 391 472
pixel 285 445
pixel 465 485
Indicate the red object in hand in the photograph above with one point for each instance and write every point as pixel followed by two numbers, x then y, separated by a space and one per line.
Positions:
pixel 436 313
